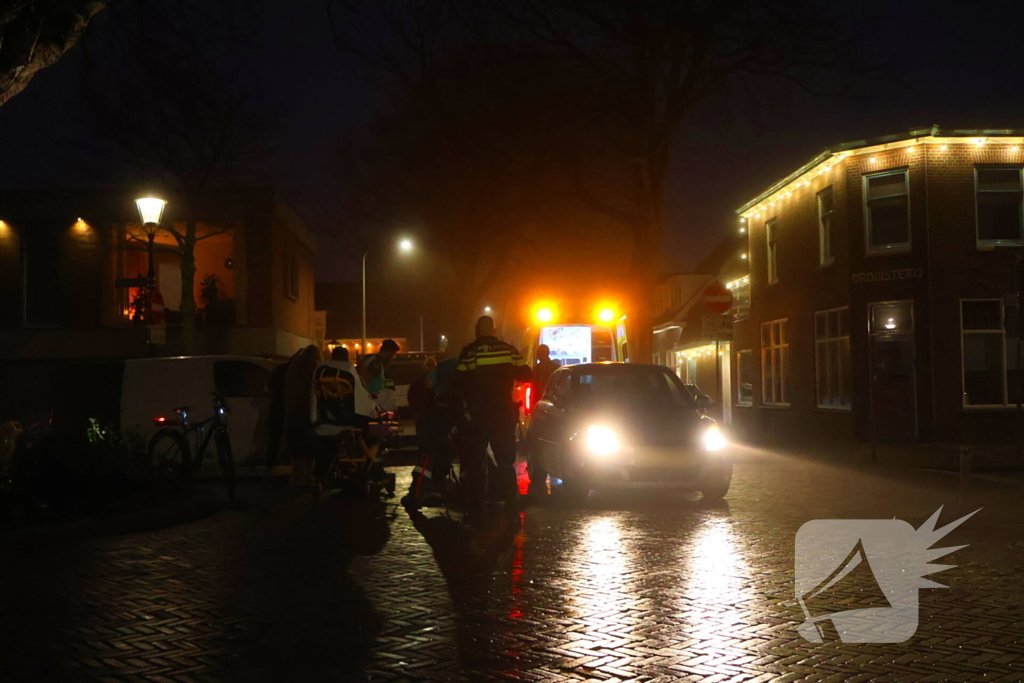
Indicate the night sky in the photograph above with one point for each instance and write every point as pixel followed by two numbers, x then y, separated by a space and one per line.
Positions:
pixel 951 65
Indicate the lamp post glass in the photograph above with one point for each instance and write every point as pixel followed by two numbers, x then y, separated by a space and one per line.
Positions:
pixel 151 209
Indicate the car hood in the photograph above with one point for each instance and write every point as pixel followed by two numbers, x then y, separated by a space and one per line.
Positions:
pixel 662 427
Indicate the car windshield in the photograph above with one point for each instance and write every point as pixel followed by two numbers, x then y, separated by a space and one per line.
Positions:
pixel 647 387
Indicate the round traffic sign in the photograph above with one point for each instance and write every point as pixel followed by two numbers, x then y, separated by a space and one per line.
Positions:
pixel 156 308
pixel 717 298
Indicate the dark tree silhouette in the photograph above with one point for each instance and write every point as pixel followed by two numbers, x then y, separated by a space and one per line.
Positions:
pixel 35 34
pixel 644 67
pixel 159 91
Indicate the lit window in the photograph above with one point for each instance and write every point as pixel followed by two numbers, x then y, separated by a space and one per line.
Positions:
pixel 825 255
pixel 773 250
pixel 998 193
pixel 774 363
pixel 745 378
pixel 832 357
pixel 740 298
pixel 990 367
pixel 291 276
pixel 887 211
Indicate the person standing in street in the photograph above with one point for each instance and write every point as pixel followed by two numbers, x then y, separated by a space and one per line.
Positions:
pixel 486 373
pixel 542 371
pixel 371 369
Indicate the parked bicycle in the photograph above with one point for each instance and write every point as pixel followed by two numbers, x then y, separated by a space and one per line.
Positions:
pixel 169 451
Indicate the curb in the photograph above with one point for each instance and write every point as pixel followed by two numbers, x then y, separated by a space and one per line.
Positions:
pixel 201 504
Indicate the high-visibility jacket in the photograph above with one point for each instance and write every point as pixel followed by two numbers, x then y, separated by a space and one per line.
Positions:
pixel 487 371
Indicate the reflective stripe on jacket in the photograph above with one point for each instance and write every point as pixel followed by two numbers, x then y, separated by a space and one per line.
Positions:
pixel 487 370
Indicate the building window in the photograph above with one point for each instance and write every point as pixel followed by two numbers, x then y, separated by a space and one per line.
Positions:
pixel 774 363
pixel 999 197
pixel 291 276
pixel 42 277
pixel 825 255
pixel 990 364
pixel 832 357
pixel 745 378
pixel 887 211
pixel 691 371
pixel 740 298
pixel 773 250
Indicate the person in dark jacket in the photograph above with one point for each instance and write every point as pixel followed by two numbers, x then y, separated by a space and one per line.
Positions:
pixel 486 373
pixel 542 372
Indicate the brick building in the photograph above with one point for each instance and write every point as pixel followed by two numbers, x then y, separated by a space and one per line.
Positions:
pixel 61 253
pixel 881 282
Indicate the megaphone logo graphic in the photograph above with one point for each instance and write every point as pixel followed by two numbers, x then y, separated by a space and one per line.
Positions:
pixel 858 579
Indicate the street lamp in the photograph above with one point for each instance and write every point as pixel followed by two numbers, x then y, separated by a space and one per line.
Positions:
pixel 151 210
pixel 406 246
pixel 487 309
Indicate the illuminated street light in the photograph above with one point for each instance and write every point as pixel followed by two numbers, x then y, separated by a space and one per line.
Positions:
pixel 151 210
pixel 487 309
pixel 405 246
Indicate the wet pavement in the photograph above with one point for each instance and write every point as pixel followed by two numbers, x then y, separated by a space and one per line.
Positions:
pixel 630 586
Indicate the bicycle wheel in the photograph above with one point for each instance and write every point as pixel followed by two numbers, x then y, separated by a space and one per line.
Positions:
pixel 226 456
pixel 169 454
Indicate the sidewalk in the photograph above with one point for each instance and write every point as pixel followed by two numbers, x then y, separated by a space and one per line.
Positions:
pixel 994 463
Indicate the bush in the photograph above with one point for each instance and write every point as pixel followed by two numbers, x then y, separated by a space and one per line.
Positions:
pixel 65 474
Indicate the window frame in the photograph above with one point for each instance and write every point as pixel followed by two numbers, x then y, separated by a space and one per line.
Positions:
pixel 783 367
pixel 292 276
pixel 772 249
pixel 739 379
pixel 988 244
pixel 30 243
pixel 837 340
pixel 826 256
pixel 741 311
pixel 896 248
pixel 1002 333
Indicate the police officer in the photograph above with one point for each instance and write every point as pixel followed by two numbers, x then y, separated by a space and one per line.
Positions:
pixel 486 373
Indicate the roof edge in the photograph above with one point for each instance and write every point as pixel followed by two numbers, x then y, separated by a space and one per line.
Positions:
pixel 913 133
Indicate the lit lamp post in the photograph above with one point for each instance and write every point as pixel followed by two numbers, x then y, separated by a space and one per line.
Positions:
pixel 151 210
pixel 405 246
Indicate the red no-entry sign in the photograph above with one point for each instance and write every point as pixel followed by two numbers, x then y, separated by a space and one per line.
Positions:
pixel 717 298
pixel 156 308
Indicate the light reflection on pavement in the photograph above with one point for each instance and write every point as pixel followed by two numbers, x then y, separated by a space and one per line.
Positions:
pixel 631 586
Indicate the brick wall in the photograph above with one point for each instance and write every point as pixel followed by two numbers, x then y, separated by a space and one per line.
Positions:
pixel 944 265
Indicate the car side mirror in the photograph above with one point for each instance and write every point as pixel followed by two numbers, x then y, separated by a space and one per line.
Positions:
pixel 704 401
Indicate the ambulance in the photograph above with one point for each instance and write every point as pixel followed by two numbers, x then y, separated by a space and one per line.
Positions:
pixel 572 340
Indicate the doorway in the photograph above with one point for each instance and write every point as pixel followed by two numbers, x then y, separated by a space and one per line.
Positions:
pixel 892 370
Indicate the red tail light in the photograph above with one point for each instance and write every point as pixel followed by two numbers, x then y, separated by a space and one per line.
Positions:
pixel 528 403
pixel 160 420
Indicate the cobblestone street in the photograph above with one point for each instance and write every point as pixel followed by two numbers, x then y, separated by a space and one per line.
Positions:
pixel 630 586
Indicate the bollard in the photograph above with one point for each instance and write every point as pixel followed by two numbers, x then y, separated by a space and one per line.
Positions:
pixel 965 473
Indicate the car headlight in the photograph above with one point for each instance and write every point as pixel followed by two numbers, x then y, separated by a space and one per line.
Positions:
pixel 713 438
pixel 601 441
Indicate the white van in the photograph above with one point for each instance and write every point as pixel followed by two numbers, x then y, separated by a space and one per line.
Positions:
pixel 154 387
pixel 129 394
